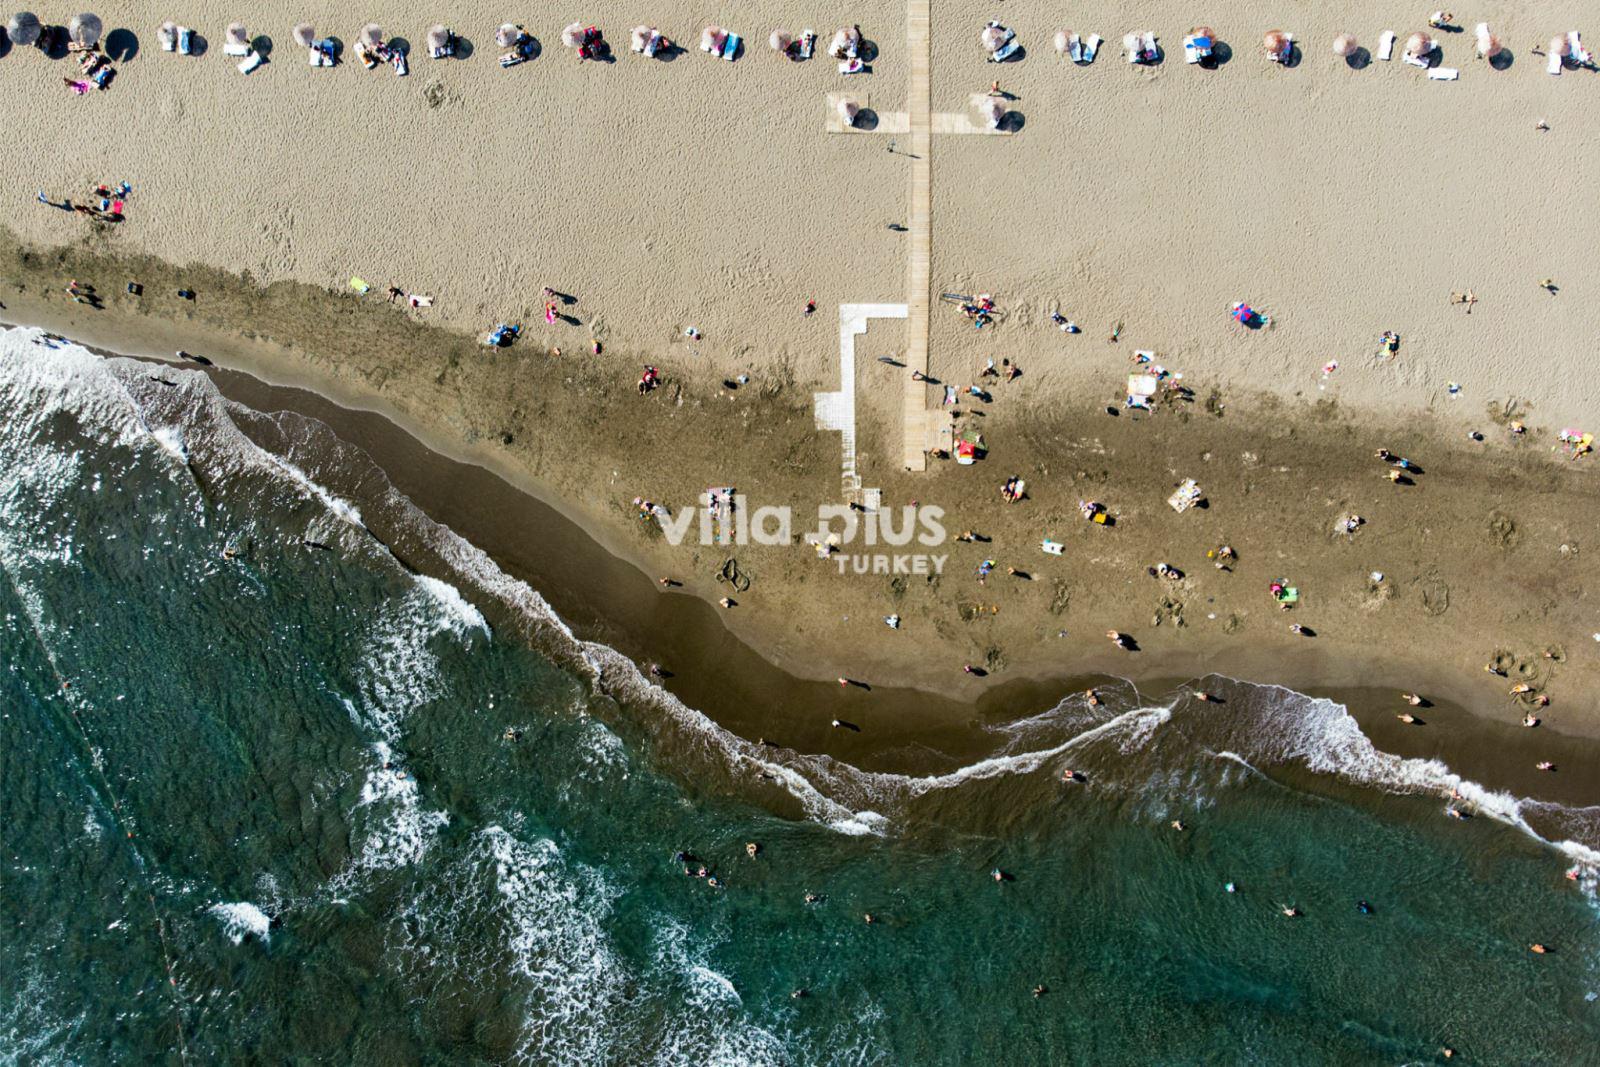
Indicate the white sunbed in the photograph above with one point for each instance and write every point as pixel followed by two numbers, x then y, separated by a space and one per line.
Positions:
pixel 251 62
pixel 1074 48
pixel 1553 65
pixel 1386 45
pixel 1090 47
pixel 808 39
pixel 1579 55
pixel 1443 74
pixel 231 49
pixel 1415 61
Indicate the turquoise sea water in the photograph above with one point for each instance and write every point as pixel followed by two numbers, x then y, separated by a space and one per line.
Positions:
pixel 257 804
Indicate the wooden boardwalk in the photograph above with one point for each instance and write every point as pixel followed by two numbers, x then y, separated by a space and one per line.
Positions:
pixel 918 280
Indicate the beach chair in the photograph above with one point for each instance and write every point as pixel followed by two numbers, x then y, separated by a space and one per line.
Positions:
pixel 1415 61
pixel 1386 45
pixel 1074 48
pixel 231 49
pixel 730 47
pixel 1090 47
pixel 1148 46
pixel 1553 63
pixel 251 62
pixel 1196 48
pixel 401 66
pixel 185 41
pixel 1443 74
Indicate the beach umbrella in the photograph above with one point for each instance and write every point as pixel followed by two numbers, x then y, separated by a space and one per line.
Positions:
pixel 712 38
pixel 437 37
pixel 848 110
pixel 992 110
pixel 1489 45
pixel 993 37
pixel 1418 45
pixel 572 36
pixel 1062 41
pixel 1276 42
pixel 1203 34
pixel 304 34
pixel 371 35
pixel 1344 45
pixel 84 30
pixel 23 29
pixel 237 34
pixel 168 35
pixel 1560 46
pixel 1130 42
pixel 780 41
pixel 507 35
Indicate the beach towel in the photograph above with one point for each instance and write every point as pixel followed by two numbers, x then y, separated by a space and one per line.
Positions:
pixel 360 286
pixel 1055 548
pixel 1150 49
pixel 1443 74
pixel 1090 47
pixel 808 38
pixel 852 66
pixel 730 50
pixel 1386 45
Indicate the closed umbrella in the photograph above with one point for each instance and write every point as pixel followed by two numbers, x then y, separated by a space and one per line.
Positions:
pixel 1344 45
pixel 236 34
pixel 84 30
pixel 371 35
pixel 780 41
pixel 23 29
pixel 437 37
pixel 304 34
pixel 572 36
pixel 1276 42
pixel 507 35
pixel 1418 45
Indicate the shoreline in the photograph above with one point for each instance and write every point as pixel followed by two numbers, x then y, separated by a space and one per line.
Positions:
pixel 610 598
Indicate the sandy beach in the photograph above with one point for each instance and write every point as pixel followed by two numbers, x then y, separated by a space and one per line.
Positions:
pixel 663 195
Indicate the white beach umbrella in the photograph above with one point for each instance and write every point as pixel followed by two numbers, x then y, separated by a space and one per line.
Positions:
pixel 1489 45
pixel 1276 42
pixel 712 38
pixel 640 37
pixel 437 37
pixel 371 35
pixel 572 36
pixel 848 110
pixel 84 30
pixel 992 38
pixel 237 34
pixel 1560 46
pixel 167 34
pixel 780 40
pixel 991 110
pixel 1344 45
pixel 1418 45
pixel 304 34
pixel 1130 42
pixel 844 41
pixel 507 35
pixel 1203 31
pixel 23 29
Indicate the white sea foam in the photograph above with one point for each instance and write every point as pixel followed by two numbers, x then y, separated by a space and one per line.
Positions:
pixel 460 612
pixel 241 920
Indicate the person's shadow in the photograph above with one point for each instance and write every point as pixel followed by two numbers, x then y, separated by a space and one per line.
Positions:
pixel 121 45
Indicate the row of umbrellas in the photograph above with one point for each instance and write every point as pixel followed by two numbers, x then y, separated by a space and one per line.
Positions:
pixel 24 29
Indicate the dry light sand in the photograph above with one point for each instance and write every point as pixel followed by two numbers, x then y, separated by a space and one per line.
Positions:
pixel 1343 202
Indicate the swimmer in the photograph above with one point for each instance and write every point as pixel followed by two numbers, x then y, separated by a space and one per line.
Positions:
pixel 797 994
pixel 1363 907
pixel 1071 776
pixel 1544 765
pixel 1177 824
pixel 1039 990
pixel 1290 911
pixel 1230 887
pixel 1407 718
pixel 812 898
pixel 998 875
pixel 1538 948
pixel 868 917
pixel 1093 697
pixel 1530 720
pixel 1411 698
pixel 751 849
pixel 1518 690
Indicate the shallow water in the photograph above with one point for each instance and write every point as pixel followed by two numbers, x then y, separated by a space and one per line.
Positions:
pixel 256 799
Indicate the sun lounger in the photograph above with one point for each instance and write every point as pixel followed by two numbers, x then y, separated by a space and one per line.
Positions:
pixel 803 47
pixel 185 40
pixel 1553 65
pixel 1443 74
pixel 231 49
pixel 169 41
pixel 401 67
pixel 1192 52
pixel 1074 49
pixel 1151 52
pixel 251 62
pixel 1055 548
pixel 1386 45
pixel 1090 47
pixel 1415 61
pixel 730 50
pixel 852 66
pixel 651 46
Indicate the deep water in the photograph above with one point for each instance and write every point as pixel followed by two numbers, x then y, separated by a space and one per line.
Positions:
pixel 269 794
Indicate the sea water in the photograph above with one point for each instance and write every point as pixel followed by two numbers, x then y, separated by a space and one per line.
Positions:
pixel 267 792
